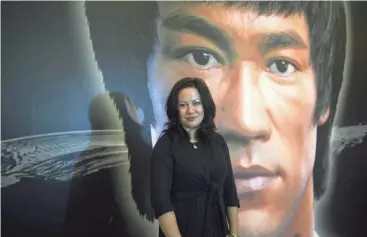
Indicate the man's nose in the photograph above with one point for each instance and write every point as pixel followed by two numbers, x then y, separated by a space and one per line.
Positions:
pixel 244 110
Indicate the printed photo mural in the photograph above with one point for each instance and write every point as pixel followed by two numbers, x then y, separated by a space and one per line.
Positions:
pixel 83 92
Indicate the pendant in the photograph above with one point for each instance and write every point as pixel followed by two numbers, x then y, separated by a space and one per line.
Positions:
pixel 195 147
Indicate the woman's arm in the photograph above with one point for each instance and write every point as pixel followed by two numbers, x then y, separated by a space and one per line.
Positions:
pixel 168 224
pixel 230 193
pixel 233 219
pixel 161 172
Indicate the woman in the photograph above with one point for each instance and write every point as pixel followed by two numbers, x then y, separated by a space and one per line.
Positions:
pixel 193 189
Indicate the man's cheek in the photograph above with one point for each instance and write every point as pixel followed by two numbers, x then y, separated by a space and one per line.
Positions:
pixel 219 94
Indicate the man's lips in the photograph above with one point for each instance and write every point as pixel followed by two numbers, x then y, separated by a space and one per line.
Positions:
pixel 254 178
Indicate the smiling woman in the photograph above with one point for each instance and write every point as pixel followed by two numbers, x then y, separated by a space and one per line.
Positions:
pixel 190 107
pixel 193 189
pixel 191 111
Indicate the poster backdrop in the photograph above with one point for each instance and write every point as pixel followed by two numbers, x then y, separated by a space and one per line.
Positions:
pixel 83 89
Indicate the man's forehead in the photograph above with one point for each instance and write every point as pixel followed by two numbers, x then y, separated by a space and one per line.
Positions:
pixel 168 7
pixel 218 23
pixel 234 13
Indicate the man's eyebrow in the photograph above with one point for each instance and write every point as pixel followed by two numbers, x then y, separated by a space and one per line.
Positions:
pixel 281 40
pixel 184 22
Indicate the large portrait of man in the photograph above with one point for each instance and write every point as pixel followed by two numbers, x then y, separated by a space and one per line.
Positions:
pixel 275 71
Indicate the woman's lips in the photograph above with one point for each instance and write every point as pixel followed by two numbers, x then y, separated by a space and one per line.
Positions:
pixel 191 118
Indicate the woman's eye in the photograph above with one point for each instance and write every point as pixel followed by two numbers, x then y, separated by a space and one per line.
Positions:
pixel 201 59
pixel 282 68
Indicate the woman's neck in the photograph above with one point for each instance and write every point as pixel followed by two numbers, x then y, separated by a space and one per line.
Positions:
pixel 192 134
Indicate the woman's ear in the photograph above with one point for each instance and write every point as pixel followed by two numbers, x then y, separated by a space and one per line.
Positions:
pixel 324 116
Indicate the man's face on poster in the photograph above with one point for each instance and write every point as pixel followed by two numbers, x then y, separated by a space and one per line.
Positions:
pixel 259 71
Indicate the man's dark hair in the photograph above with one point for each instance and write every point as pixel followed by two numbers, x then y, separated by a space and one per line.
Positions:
pixel 207 126
pixel 124 33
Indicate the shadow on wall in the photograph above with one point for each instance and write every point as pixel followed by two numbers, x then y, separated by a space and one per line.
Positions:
pixel 98 203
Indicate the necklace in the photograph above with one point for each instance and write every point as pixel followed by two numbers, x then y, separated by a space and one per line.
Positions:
pixel 194 145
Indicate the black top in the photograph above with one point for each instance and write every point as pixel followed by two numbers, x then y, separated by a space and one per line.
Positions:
pixel 197 184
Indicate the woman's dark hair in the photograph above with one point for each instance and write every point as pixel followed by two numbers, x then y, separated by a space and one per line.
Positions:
pixel 207 126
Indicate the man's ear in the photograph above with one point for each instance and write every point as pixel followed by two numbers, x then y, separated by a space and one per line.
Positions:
pixel 324 116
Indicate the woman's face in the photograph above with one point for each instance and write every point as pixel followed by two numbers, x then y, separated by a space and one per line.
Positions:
pixel 190 108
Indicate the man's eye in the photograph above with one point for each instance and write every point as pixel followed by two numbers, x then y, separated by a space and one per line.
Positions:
pixel 201 59
pixel 282 67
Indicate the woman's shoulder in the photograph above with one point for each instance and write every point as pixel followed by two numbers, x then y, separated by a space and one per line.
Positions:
pixel 218 136
pixel 162 146
pixel 163 140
